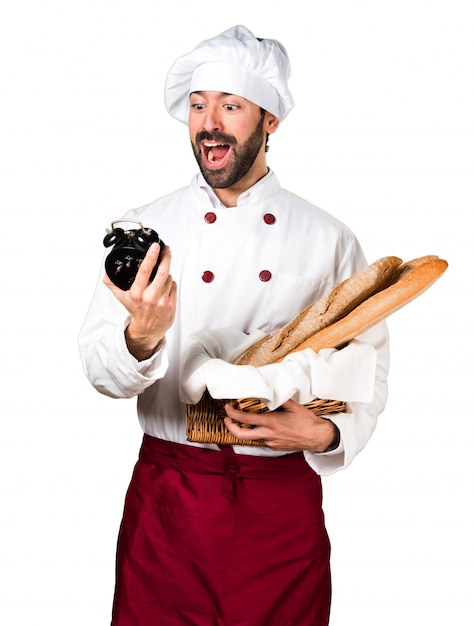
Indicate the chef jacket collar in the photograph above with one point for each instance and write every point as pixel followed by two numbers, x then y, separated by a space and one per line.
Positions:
pixel 263 189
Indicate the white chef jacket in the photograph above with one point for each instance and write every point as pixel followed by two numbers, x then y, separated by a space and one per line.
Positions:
pixel 253 267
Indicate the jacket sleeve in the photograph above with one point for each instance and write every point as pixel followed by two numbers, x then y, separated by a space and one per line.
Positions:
pixel 358 422
pixel 108 365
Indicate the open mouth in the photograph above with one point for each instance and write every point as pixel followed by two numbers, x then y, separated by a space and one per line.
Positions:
pixel 215 153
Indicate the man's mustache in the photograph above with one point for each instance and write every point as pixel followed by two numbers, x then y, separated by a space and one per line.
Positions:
pixel 205 135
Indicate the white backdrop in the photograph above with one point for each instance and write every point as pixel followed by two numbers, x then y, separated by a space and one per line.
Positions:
pixel 382 136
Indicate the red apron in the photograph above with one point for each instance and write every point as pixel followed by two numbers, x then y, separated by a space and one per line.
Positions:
pixel 211 538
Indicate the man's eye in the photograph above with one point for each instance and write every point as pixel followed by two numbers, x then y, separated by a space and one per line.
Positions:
pixel 231 107
pixel 197 106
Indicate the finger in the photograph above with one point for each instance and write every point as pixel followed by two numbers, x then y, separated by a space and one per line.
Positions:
pixel 173 292
pixel 142 278
pixel 246 432
pixel 289 405
pixel 106 280
pixel 112 286
pixel 244 417
pixel 162 276
pixel 165 260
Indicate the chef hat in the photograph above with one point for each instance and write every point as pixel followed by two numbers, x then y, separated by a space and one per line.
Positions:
pixel 234 62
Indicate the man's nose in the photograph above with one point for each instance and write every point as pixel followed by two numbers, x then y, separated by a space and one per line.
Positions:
pixel 212 119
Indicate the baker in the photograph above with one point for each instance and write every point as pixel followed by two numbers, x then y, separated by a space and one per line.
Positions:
pixel 226 534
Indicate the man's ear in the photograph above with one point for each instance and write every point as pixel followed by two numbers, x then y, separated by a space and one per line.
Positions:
pixel 271 123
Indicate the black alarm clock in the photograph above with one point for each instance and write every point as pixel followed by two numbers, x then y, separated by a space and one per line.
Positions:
pixel 129 248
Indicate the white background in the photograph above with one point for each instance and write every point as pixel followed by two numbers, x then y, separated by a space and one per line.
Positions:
pixel 382 136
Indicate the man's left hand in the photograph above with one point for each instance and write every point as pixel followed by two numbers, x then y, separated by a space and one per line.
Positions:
pixel 291 427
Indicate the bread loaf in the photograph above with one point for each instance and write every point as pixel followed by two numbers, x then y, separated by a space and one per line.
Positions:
pixel 411 280
pixel 332 307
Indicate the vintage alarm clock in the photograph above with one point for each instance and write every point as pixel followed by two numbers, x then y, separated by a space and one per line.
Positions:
pixel 129 249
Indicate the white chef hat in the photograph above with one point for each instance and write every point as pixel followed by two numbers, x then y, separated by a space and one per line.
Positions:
pixel 234 62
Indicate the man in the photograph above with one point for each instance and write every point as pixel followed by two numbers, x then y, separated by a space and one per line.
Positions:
pixel 219 535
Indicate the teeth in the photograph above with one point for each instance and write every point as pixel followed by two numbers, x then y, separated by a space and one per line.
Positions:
pixel 210 145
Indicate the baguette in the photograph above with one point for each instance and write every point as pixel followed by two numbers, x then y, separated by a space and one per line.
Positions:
pixel 315 317
pixel 413 278
pixel 408 266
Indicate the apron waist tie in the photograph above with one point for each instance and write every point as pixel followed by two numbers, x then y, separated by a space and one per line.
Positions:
pixel 231 471
pixel 223 462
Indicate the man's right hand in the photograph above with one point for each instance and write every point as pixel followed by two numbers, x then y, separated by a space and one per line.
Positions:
pixel 150 305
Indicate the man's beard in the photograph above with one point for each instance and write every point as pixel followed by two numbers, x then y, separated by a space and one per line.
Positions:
pixel 244 156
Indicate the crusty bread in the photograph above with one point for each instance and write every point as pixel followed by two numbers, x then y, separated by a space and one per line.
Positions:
pixel 412 279
pixel 408 266
pixel 332 307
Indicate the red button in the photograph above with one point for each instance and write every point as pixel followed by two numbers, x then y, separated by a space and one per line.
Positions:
pixel 269 218
pixel 265 276
pixel 210 218
pixel 207 276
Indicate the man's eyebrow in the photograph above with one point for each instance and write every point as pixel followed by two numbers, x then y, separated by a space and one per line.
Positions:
pixel 223 93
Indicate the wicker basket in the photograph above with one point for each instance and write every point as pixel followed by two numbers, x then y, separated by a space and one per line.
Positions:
pixel 205 420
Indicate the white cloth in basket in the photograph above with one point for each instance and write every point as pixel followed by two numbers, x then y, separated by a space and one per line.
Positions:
pixel 207 362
